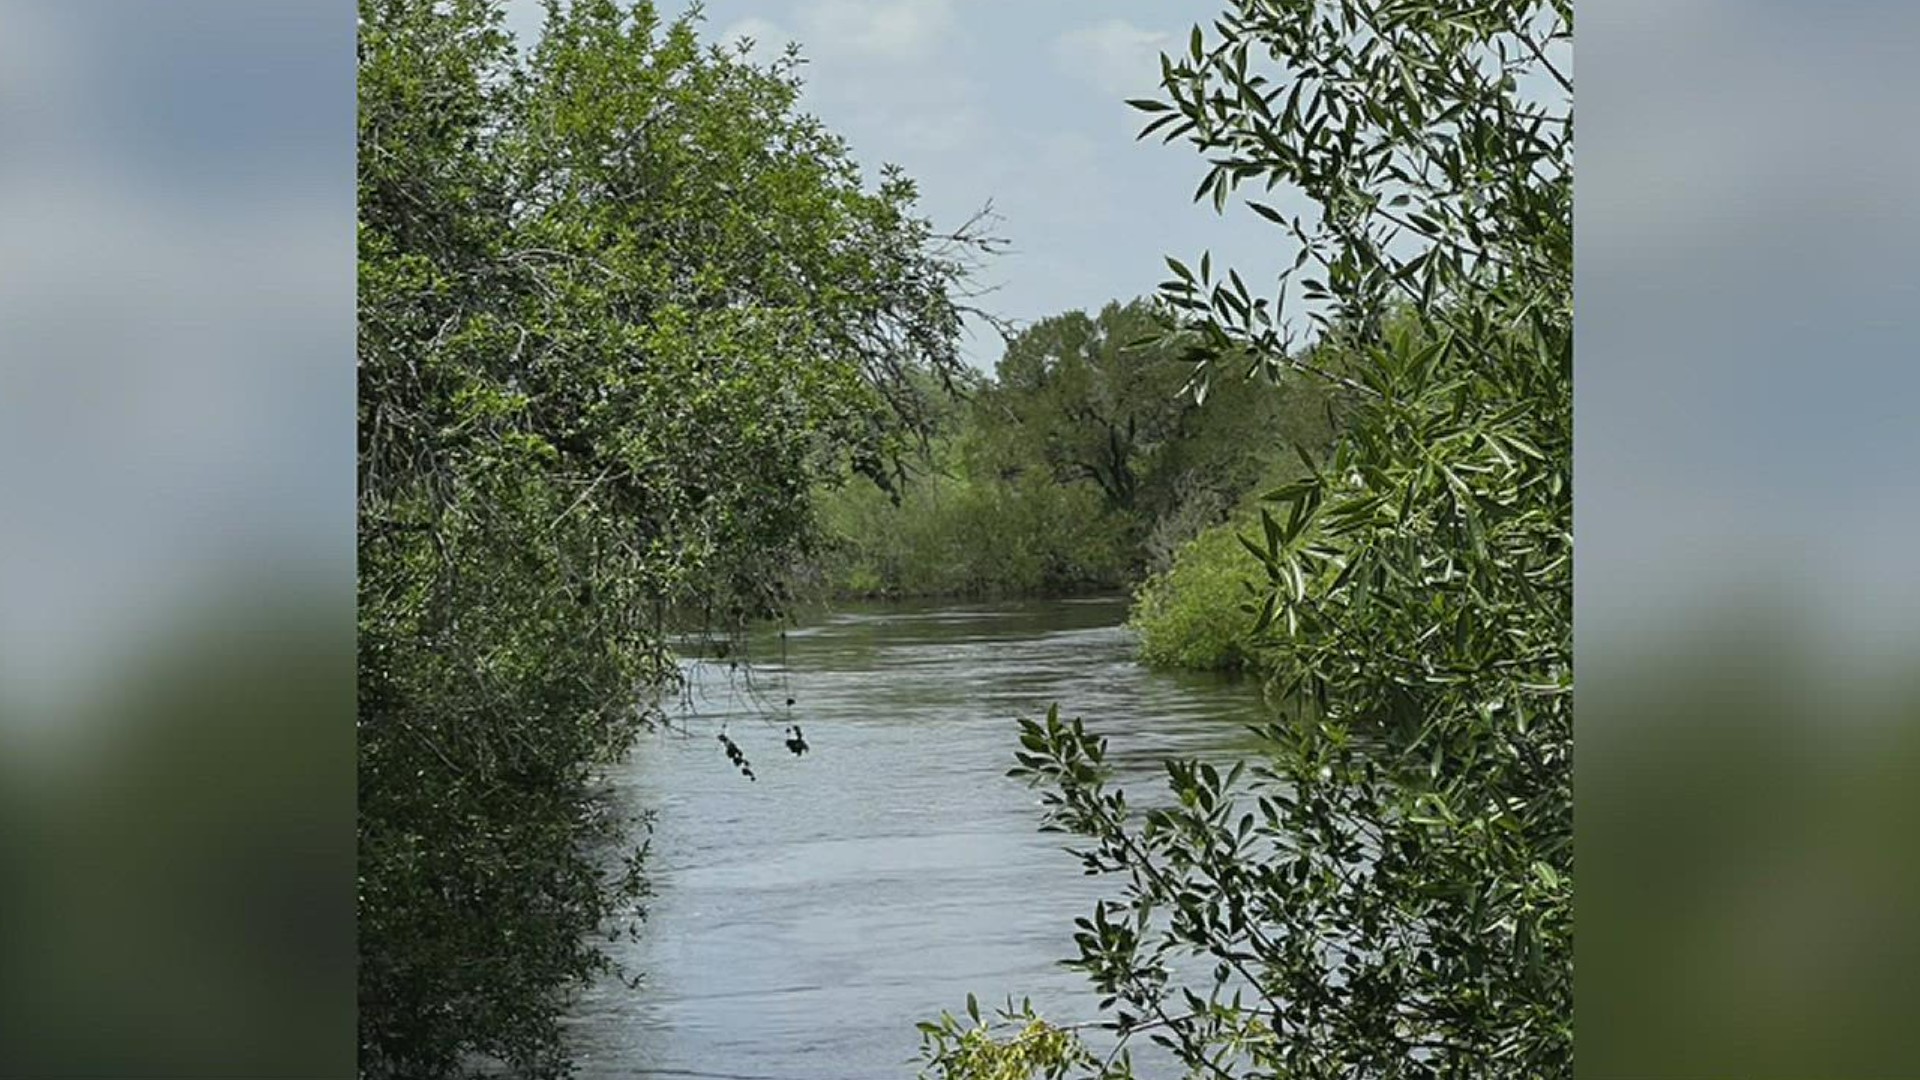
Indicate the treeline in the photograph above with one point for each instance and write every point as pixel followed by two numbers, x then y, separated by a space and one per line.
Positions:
pixel 1091 460
pixel 1086 459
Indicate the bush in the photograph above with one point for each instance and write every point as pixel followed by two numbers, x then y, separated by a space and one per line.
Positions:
pixel 1386 889
pixel 1188 612
pixel 1190 616
pixel 951 537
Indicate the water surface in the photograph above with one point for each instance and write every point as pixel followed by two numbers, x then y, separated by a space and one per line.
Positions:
pixel 803 922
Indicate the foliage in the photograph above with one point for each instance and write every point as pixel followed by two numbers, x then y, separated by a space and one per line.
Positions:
pixel 1189 616
pixel 1388 892
pixel 957 536
pixel 1098 399
pixel 975 1051
pixel 620 307
pixel 1193 611
pixel 1077 463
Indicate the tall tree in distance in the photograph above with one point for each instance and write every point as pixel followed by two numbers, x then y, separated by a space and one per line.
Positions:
pixel 1083 395
pixel 1099 399
pixel 1387 892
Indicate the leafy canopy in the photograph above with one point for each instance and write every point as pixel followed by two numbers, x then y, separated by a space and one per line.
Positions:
pixel 621 304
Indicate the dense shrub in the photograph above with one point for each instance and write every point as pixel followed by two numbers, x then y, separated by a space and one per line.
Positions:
pixel 955 537
pixel 1192 610
pixel 1189 616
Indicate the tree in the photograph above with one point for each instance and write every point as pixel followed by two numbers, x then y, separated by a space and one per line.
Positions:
pixel 1099 400
pixel 1387 892
pixel 1085 404
pixel 620 306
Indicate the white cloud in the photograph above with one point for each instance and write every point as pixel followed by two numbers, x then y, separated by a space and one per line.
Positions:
pixel 891 30
pixel 1115 56
pixel 769 39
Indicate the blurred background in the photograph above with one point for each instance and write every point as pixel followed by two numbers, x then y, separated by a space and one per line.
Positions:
pixel 176 538
pixel 1747 601
pixel 176 552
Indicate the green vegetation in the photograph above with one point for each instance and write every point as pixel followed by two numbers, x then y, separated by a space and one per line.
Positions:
pixel 1188 616
pixel 1387 891
pixel 621 309
pixel 1199 611
pixel 641 352
pixel 1081 463
pixel 966 538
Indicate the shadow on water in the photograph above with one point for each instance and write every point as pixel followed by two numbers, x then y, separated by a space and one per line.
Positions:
pixel 803 922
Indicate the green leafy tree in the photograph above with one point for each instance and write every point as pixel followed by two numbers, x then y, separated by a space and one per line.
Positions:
pixel 1387 892
pixel 1098 400
pixel 1081 397
pixel 621 305
pixel 1077 463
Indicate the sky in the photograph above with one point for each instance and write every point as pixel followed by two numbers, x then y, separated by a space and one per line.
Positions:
pixel 1020 105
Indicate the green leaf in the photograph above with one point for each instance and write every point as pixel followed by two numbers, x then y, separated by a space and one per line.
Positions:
pixel 1265 557
pixel 1266 613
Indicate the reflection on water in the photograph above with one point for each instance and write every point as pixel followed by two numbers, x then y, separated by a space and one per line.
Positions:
pixel 802 923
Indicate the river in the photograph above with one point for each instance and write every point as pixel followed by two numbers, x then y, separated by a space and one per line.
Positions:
pixel 802 922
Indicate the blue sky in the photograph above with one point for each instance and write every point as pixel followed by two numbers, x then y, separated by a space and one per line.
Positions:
pixel 1019 104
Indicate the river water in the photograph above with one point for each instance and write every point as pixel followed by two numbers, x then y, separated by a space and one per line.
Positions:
pixel 803 922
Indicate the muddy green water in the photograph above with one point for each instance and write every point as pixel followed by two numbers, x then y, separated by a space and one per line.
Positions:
pixel 803 922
